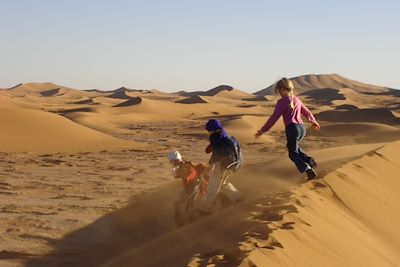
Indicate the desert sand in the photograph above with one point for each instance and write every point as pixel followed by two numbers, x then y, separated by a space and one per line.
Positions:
pixel 84 179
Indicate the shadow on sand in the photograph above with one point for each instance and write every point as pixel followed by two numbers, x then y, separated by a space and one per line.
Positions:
pixel 144 232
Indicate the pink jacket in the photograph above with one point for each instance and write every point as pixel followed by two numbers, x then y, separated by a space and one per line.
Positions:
pixel 290 115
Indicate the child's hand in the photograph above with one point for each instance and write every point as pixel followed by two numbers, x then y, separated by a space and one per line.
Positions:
pixel 208 150
pixel 316 126
pixel 258 134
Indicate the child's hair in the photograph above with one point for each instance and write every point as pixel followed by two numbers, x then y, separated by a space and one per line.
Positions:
pixel 284 84
pixel 287 86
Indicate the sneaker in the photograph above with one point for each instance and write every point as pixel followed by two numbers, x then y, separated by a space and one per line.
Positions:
pixel 312 163
pixel 311 174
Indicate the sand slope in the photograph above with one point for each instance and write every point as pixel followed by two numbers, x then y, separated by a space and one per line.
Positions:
pixel 359 132
pixel 228 236
pixel 382 115
pixel 245 127
pixel 7 102
pixel 349 219
pixel 37 131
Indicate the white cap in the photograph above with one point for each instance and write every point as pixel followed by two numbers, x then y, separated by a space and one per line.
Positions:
pixel 175 155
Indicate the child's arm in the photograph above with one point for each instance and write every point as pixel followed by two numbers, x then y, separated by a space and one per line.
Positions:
pixel 174 172
pixel 307 113
pixel 310 117
pixel 272 120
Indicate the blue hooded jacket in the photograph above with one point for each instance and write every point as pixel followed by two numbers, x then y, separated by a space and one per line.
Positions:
pixel 220 150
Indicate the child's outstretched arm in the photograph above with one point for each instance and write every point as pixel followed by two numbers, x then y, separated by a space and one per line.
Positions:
pixel 279 108
pixel 310 117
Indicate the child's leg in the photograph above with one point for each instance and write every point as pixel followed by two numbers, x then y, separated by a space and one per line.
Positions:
pixel 214 185
pixel 294 134
pixel 308 159
pixel 231 192
pixel 228 189
pixel 178 214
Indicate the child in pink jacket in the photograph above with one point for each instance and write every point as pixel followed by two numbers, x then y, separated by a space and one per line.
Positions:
pixel 291 108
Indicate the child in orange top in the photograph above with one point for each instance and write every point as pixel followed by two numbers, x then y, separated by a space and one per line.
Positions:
pixel 194 179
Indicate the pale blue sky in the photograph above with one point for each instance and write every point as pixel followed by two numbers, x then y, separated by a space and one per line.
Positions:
pixel 195 45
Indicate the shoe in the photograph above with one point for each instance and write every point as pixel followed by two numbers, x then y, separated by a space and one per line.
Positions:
pixel 311 174
pixel 312 163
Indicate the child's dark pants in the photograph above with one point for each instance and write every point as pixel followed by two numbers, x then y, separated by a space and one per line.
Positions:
pixel 294 134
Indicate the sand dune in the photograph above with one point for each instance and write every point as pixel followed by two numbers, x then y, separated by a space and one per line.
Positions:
pixel 218 89
pixel 230 235
pixel 36 131
pixel 245 127
pixel 120 93
pixel 346 216
pixel 50 91
pixel 225 91
pixel 364 100
pixel 360 132
pixel 42 89
pixel 256 98
pixel 7 102
pixel 324 96
pixel 308 82
pixel 233 94
pixel 84 101
pixel 346 107
pixel 210 92
pixel 193 100
pixel 130 102
pixel 382 115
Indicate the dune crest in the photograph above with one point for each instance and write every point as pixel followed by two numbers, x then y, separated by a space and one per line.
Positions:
pixel 130 102
pixel 196 99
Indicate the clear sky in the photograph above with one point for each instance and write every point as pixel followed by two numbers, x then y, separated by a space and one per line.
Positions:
pixel 190 45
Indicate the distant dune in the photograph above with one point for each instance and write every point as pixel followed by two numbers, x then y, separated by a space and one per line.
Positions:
pixel 130 102
pixel 7 102
pixel 324 96
pixel 210 92
pixel 334 81
pixel 244 128
pixel 196 99
pixel 218 89
pixel 382 115
pixel 256 98
pixel 120 93
pixel 84 101
pixel 44 89
pixel 221 91
pixel 37 131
